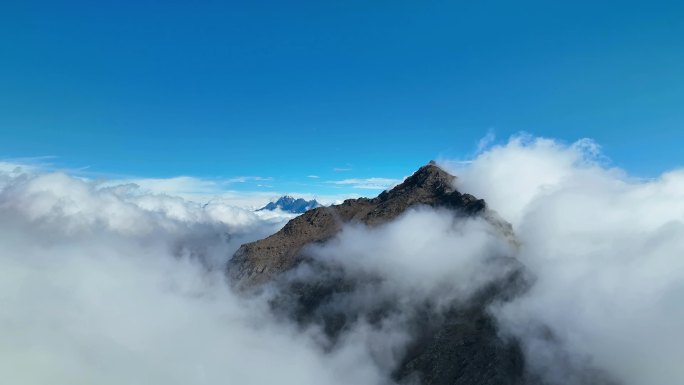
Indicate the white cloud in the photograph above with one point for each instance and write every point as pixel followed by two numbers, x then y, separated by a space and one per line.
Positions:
pixel 244 179
pixel 313 176
pixel 114 286
pixel 12 168
pixel 606 250
pixel 486 141
pixel 186 185
pixel 174 185
pixel 425 253
pixel 368 183
pixel 217 191
pixel 108 283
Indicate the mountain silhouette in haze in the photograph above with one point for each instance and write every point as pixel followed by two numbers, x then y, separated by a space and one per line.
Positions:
pixel 291 205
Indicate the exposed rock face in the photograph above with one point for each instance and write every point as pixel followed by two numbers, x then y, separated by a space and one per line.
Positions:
pixel 259 261
pixel 456 344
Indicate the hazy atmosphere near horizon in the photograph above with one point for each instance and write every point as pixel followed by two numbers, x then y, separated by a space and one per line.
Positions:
pixel 182 192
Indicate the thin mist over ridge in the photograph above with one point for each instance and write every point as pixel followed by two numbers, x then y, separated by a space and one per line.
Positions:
pixel 100 285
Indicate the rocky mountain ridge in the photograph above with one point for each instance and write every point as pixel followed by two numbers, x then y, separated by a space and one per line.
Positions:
pixel 259 261
pixel 454 344
pixel 291 205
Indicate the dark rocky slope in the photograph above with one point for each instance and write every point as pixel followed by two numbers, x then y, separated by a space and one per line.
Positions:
pixel 259 261
pixel 456 345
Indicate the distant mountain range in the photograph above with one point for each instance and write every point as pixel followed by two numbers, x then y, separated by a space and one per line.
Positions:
pixel 291 205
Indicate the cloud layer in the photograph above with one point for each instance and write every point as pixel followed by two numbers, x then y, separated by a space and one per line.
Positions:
pixel 115 284
pixel 368 183
pixel 111 286
pixel 607 252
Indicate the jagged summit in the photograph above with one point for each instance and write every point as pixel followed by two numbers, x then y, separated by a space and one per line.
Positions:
pixel 430 177
pixel 292 205
pixel 455 343
pixel 257 262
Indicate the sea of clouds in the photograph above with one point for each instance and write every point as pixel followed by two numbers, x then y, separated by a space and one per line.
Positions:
pixel 607 251
pixel 107 285
pixel 110 284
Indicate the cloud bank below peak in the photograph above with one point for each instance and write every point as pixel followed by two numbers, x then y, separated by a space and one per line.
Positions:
pixel 605 250
pixel 116 283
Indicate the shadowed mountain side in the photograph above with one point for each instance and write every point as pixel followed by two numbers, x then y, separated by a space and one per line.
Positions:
pixel 457 343
pixel 257 262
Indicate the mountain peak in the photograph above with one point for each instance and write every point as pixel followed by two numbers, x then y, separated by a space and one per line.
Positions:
pixel 429 177
pixel 464 336
pixel 257 262
pixel 292 205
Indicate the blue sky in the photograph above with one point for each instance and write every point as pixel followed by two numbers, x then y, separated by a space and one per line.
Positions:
pixel 335 89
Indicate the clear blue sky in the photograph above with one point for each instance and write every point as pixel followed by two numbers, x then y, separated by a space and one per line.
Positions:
pixel 286 89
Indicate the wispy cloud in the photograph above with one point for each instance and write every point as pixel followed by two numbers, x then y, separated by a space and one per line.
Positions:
pixel 187 184
pixel 34 160
pixel 14 168
pixel 45 163
pixel 243 179
pixel 247 191
pixel 341 169
pixel 158 264
pixel 368 183
pixel 486 141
